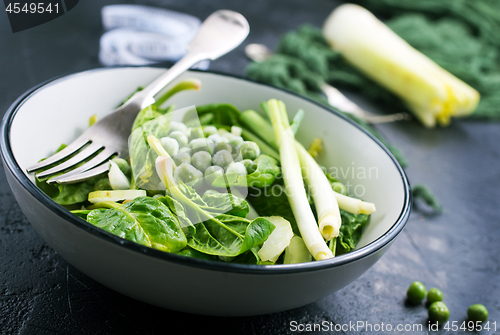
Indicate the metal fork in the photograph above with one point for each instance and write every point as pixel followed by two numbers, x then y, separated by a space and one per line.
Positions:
pixel 220 33
pixel 259 53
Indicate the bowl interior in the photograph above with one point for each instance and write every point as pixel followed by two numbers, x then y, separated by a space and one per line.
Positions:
pixel 58 112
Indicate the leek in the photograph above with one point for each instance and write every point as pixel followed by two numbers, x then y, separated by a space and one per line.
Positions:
pixel 430 92
pixel 117 178
pixel 327 208
pixel 353 205
pixel 294 184
pixel 277 242
pixel 119 195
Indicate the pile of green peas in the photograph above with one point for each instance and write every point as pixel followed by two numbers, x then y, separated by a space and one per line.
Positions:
pixel 438 311
pixel 203 154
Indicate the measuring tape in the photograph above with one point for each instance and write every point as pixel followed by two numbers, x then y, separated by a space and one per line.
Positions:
pixel 141 35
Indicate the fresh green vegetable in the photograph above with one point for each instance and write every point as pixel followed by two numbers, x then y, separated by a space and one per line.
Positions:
pixel 434 295
pixel 187 84
pixel 258 125
pixel 430 92
pixel 201 160
pixel 119 195
pixel 292 176
pixel 170 145
pixel 144 220
pixel 212 173
pixel 351 231
pixel 477 313
pixel 416 292
pixel 297 252
pixel 438 312
pixel 222 234
pixel 264 147
pixel 327 208
pixel 353 205
pixel 277 241
pixel 249 150
pixel 117 179
pixel 188 174
pixel 156 199
pixel 265 170
pixel 142 158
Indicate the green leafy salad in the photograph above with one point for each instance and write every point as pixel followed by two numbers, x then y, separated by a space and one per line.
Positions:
pixel 220 184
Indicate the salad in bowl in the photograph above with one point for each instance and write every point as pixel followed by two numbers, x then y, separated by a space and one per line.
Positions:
pixel 217 183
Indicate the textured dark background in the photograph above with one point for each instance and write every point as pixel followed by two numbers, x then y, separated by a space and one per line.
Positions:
pixel 457 251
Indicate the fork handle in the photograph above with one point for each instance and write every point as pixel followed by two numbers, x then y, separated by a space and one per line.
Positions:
pixel 145 97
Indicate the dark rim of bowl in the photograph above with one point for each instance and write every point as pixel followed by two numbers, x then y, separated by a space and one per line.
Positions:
pixel 355 255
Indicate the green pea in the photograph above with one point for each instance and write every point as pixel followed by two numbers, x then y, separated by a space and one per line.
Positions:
pixel 188 174
pixel 249 150
pixel 416 292
pixel 177 126
pixel 196 132
pixel 222 158
pixel 250 165
pixel 170 145
pixel 212 173
pixel 237 168
pixel 209 130
pixel 201 144
pixel 201 160
pixel 216 138
pixel 185 149
pixel 222 146
pixel 180 137
pixel 477 313
pixel 236 141
pixel 438 312
pixel 182 157
pixel 434 295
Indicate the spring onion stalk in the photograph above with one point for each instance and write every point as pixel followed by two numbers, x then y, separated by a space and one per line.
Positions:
pixel 165 169
pixel 294 184
pixel 256 123
pixel 297 120
pixel 119 195
pixel 117 178
pixel 188 84
pixel 353 205
pixel 327 208
pixel 156 145
pixel 433 94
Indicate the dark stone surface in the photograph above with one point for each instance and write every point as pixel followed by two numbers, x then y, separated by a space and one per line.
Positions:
pixel 457 251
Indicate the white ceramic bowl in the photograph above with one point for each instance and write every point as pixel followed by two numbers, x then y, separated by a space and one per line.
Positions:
pixel 57 111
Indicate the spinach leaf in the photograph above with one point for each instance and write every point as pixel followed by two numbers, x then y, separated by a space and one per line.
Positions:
pixel 228 235
pixel 142 157
pixel 215 114
pixel 144 220
pixel 272 200
pixel 190 252
pixel 70 195
pixel 213 233
pixel 225 203
pixel 350 231
pixel 148 114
